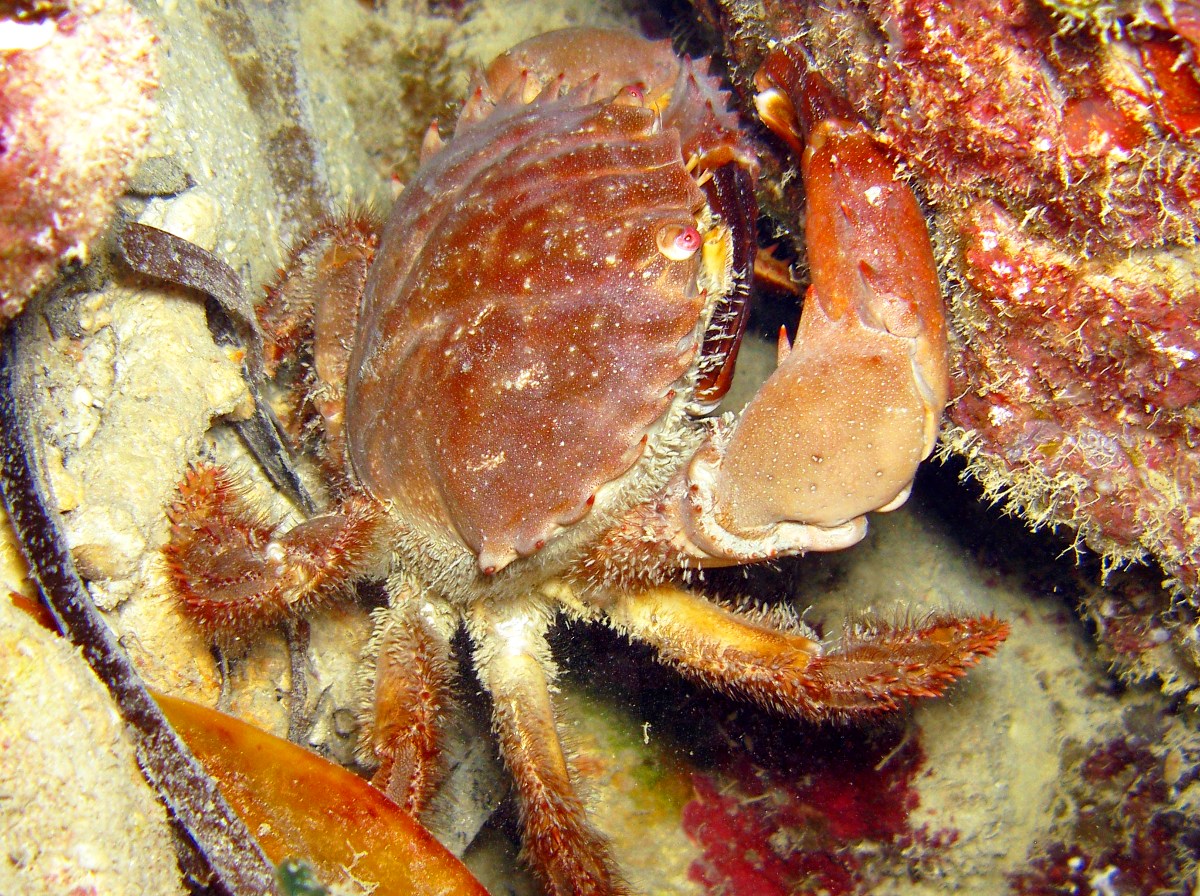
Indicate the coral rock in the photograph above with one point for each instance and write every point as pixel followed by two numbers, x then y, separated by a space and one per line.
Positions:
pixel 76 92
pixel 1077 388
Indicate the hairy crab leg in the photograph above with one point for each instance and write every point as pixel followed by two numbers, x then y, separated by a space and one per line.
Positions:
pixel 514 665
pixel 730 192
pixel 315 300
pixel 772 658
pixel 235 573
pixel 405 700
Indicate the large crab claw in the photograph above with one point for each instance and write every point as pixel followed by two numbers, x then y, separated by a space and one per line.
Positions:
pixel 855 403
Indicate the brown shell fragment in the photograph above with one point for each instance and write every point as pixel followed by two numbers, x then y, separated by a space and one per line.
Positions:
pixel 521 331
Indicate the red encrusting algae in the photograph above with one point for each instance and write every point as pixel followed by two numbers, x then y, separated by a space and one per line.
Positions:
pixel 814 823
pixel 1128 838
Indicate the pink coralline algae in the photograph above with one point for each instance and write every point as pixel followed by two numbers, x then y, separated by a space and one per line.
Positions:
pixel 76 87
pixel 1089 138
pixel 1119 447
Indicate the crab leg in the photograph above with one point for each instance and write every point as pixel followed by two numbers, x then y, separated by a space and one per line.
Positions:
pixel 730 192
pixel 772 659
pixel 405 700
pixel 236 573
pixel 569 857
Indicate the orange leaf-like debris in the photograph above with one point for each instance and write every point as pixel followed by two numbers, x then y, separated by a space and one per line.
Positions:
pixel 299 804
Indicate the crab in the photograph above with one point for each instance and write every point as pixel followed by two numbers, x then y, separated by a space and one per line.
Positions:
pixel 513 390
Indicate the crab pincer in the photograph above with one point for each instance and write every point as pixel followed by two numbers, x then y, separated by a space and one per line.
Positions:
pixel 856 401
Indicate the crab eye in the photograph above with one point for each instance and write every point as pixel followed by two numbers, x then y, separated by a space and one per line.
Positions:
pixel 632 95
pixel 679 243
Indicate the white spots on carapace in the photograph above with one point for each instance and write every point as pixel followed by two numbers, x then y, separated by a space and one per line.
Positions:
pixel 488 462
pixel 526 378
pixel 873 194
pixel 471 327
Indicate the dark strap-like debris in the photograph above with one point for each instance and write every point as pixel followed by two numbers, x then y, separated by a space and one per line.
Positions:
pixel 164 256
pixel 224 856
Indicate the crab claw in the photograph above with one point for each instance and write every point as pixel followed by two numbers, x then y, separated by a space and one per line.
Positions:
pixel 854 405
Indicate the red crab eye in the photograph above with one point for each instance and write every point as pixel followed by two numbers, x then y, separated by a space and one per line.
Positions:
pixel 632 95
pixel 679 243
